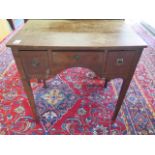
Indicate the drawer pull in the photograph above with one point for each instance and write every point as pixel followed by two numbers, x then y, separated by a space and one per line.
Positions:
pixel 119 61
pixel 35 63
pixel 76 57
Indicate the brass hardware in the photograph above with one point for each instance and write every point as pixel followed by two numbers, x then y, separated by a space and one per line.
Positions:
pixel 119 61
pixel 35 63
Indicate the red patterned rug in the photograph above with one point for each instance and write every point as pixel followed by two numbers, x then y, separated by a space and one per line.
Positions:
pixel 76 103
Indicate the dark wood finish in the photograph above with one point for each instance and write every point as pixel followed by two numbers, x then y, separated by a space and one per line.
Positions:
pixel 34 63
pixel 76 34
pixel 121 61
pixel 11 23
pixel 25 81
pixel 106 83
pixel 44 48
pixel 63 60
pixel 25 20
pixel 126 83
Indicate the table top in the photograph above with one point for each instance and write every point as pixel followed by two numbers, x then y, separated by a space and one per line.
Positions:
pixel 76 33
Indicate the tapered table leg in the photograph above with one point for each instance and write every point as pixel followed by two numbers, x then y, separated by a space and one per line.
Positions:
pixel 106 83
pixel 122 94
pixel 44 82
pixel 29 92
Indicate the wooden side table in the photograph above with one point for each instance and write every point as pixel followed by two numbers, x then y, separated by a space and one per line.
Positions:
pixel 43 48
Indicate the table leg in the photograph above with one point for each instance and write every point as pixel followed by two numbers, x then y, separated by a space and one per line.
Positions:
pixel 122 94
pixel 44 82
pixel 106 83
pixel 29 92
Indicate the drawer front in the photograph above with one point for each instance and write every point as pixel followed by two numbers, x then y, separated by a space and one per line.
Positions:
pixel 92 60
pixel 119 63
pixel 35 63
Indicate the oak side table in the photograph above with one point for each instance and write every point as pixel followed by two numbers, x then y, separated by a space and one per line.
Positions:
pixel 44 48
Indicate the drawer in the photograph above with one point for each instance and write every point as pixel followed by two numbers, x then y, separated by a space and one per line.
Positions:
pixel 76 57
pixel 64 59
pixel 119 63
pixel 34 62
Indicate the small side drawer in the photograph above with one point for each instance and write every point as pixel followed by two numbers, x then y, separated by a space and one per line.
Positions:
pixel 119 62
pixel 34 63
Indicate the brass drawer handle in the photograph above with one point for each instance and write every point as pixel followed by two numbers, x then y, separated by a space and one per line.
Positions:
pixel 119 61
pixel 35 63
pixel 76 57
